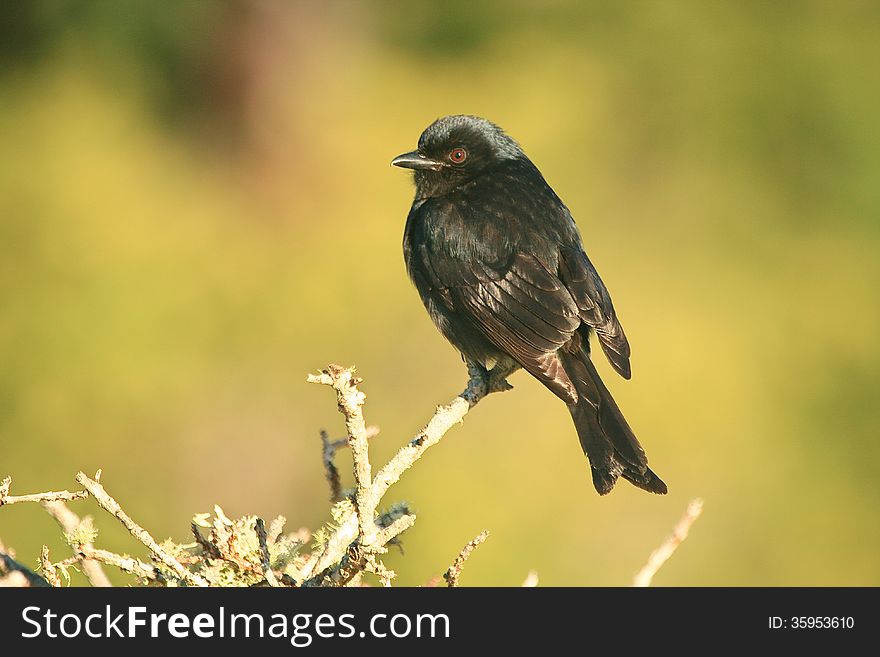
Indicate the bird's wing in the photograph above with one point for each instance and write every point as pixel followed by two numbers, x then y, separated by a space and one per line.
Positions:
pixel 521 307
pixel 595 307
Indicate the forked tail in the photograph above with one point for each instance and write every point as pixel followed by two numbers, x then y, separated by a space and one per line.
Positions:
pixel 605 436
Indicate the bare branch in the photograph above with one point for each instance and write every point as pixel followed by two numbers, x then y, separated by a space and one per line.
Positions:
pixel 49 496
pixel 260 528
pixel 451 576
pixel 661 554
pixel 69 523
pixel 112 506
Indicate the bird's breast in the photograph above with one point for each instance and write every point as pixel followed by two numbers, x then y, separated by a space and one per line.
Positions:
pixel 467 229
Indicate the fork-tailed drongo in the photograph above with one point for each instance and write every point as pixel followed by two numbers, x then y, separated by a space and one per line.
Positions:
pixel 499 264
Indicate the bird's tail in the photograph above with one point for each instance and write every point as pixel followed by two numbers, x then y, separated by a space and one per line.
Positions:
pixel 605 436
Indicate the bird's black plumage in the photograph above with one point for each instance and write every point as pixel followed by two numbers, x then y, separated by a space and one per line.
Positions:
pixel 499 265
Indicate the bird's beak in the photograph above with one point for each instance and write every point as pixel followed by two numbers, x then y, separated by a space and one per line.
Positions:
pixel 416 160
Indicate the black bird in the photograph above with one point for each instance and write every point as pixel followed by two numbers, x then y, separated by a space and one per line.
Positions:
pixel 498 262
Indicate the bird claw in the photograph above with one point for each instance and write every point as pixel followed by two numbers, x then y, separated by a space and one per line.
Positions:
pixel 495 380
pixel 497 383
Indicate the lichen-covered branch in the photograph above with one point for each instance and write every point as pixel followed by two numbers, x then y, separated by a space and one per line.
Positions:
pixel 6 498
pixel 245 552
pixel 48 568
pixel 123 562
pixel 110 505
pixel 328 453
pixel 454 572
pixel 333 550
pixel 397 527
pixel 265 557
pixel 351 402
pixel 661 554
pixel 71 525
pixel 362 528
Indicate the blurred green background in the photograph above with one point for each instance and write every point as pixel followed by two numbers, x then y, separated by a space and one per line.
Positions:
pixel 196 210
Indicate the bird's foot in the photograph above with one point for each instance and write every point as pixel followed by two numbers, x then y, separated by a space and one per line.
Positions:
pixel 497 376
pixel 497 381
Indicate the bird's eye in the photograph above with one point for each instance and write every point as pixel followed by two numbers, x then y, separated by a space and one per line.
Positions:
pixel 457 155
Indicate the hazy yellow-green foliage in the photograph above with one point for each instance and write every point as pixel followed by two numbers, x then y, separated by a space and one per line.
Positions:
pixel 186 188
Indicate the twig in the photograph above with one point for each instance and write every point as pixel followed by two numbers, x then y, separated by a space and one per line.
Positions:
pixel 207 546
pixel 379 569
pixel 49 496
pixel 328 453
pixel 69 523
pixel 260 528
pixel 661 554
pixel 332 472
pixel 451 576
pixel 371 432
pixel 48 568
pixel 112 506
pixel 396 528
pixel 351 402
pixel 125 563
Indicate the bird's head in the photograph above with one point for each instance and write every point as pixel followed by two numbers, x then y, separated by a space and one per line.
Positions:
pixel 454 150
